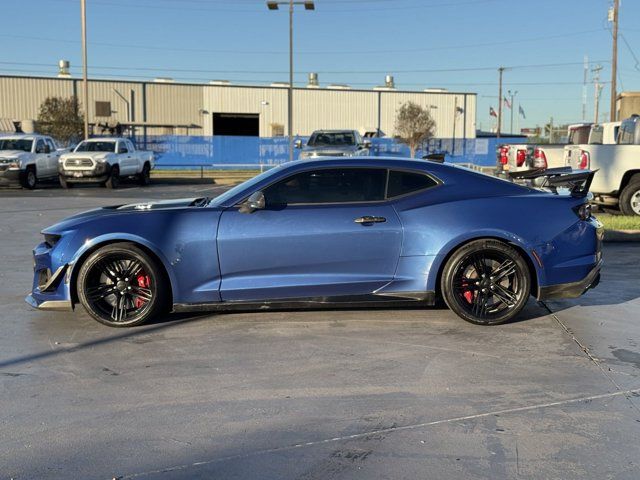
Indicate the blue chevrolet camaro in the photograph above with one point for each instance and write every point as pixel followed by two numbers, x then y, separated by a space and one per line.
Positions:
pixel 351 231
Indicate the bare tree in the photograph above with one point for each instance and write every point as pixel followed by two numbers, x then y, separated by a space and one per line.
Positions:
pixel 414 126
pixel 61 118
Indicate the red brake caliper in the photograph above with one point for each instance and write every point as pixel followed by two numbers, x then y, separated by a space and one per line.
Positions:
pixel 143 281
pixel 467 294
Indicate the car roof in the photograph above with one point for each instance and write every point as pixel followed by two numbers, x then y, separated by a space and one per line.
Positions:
pixel 104 139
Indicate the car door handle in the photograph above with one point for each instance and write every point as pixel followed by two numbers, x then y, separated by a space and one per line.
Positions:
pixel 369 219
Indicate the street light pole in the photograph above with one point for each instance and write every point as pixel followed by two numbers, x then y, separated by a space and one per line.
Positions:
pixel 512 95
pixel 308 5
pixel 85 85
pixel 290 93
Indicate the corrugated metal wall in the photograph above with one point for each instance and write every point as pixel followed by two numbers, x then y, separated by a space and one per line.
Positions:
pixel 187 104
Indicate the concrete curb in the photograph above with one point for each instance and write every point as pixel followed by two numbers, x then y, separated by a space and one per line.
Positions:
pixel 622 235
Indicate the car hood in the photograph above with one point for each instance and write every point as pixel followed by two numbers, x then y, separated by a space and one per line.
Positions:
pixel 13 153
pixel 329 151
pixel 131 208
pixel 94 155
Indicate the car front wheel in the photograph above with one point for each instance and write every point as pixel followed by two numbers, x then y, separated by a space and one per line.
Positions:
pixel 29 178
pixel 120 285
pixel 486 282
pixel 114 178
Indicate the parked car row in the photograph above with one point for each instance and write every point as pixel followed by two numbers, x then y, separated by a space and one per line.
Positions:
pixel 29 159
pixel 612 148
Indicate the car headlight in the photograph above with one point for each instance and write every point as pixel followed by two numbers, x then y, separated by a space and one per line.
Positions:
pixel 15 164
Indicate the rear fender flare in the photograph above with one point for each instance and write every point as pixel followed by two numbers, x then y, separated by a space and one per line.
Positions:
pixel 447 250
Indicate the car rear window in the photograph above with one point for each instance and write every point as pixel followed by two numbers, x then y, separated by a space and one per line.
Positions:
pixel 402 183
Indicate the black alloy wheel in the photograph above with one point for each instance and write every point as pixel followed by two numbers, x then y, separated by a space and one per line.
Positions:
pixel 121 286
pixel 29 178
pixel 114 178
pixel 145 176
pixel 486 282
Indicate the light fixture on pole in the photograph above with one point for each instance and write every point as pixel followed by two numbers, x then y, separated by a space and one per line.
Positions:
pixel 308 5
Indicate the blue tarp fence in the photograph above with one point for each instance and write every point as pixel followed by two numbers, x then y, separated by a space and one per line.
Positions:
pixel 232 152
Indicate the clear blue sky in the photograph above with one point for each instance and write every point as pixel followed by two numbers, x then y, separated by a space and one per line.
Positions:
pixel 346 41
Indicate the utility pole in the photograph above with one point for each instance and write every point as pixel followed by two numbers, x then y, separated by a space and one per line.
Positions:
pixel 598 88
pixel 85 84
pixel 499 129
pixel 614 59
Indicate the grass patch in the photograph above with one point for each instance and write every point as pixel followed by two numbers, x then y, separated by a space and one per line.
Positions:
pixel 619 222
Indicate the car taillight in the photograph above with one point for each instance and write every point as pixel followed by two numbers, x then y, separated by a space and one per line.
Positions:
pixel 583 211
pixel 539 159
pixel 584 160
pixel 521 156
pixel 504 155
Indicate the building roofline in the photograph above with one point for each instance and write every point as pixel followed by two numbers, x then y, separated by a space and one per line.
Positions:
pixel 234 85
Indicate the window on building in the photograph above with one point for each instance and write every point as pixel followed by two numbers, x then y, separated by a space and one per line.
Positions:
pixel 103 109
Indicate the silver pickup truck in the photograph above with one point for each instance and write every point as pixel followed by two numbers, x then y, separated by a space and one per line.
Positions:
pixel 334 143
pixel 27 159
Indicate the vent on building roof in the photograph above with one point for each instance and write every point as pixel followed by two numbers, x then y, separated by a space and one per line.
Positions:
pixel 63 69
pixel 313 81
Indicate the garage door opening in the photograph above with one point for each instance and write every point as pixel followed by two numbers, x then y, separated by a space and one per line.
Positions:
pixel 238 124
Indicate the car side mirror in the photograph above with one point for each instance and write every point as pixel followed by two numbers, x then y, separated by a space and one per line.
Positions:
pixel 47 149
pixel 122 150
pixel 255 202
pixel 366 143
pixel 298 143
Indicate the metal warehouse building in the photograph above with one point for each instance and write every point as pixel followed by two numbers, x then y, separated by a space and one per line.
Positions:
pixel 166 107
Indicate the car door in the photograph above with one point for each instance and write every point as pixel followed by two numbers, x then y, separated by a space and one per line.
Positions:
pixel 41 159
pixel 125 159
pixel 323 233
pixel 52 157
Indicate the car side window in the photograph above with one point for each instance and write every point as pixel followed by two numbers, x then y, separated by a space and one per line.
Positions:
pixel 122 147
pixel 40 146
pixel 402 183
pixel 331 185
pixel 130 146
pixel 52 146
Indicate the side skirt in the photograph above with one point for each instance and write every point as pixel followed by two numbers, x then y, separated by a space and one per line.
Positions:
pixel 360 301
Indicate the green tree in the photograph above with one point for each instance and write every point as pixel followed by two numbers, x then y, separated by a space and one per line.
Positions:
pixel 62 119
pixel 414 126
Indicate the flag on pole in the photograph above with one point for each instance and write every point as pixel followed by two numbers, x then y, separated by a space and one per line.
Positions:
pixel 507 103
pixel 521 112
pixel 492 112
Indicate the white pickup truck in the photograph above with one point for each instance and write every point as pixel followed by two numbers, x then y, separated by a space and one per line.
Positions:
pixel 26 159
pixel 600 134
pixel 618 179
pixel 105 161
pixel 551 155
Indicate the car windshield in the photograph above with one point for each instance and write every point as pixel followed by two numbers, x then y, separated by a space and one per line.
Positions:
pixel 221 199
pixel 332 139
pixel 96 147
pixel 16 144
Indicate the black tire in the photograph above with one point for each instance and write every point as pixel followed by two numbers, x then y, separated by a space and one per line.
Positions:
pixel 119 285
pixel 64 183
pixel 114 178
pixel 630 198
pixel 486 282
pixel 29 179
pixel 144 178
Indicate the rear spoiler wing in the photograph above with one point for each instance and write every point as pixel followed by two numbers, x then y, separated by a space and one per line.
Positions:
pixel 577 181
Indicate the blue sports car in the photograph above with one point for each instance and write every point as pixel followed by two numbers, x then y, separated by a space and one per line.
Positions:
pixel 349 231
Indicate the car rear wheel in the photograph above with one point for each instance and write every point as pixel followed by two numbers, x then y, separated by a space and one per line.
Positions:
pixel 29 178
pixel 114 178
pixel 119 285
pixel 630 199
pixel 486 282
pixel 145 176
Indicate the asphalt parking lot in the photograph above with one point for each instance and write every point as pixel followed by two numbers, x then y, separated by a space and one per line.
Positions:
pixel 410 393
